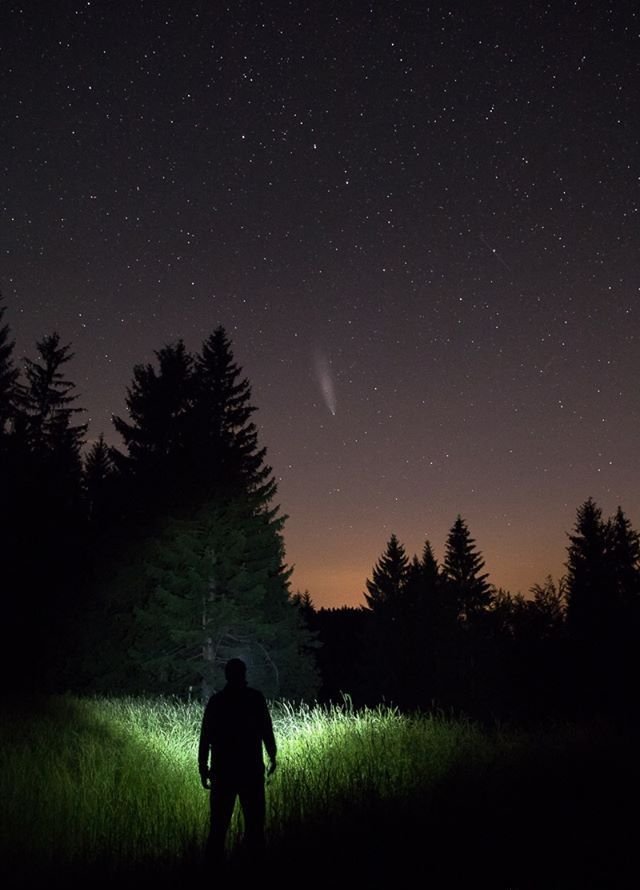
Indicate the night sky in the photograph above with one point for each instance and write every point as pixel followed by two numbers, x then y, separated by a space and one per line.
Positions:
pixel 418 223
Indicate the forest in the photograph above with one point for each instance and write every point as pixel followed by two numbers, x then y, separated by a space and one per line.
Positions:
pixel 140 569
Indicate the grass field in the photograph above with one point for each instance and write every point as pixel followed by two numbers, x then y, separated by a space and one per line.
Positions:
pixel 98 790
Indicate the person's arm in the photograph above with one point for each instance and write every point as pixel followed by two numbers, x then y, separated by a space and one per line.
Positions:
pixel 269 738
pixel 204 747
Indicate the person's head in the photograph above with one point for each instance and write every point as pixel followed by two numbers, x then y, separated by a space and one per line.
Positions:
pixel 236 672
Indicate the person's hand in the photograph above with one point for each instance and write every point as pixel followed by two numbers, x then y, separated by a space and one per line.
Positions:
pixel 272 767
pixel 205 778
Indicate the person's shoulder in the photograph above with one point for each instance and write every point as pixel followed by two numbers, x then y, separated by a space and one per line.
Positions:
pixel 255 694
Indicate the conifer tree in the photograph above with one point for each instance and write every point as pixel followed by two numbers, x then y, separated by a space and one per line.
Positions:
pixel 54 441
pixel 48 516
pixel 624 661
pixel 590 584
pixel 422 634
pixel 430 568
pixel 218 589
pixel 304 603
pixel 159 403
pixel 99 477
pixel 51 440
pixel 384 661
pixel 462 572
pixel 422 583
pixel 200 604
pixel 624 548
pixel 386 588
pixel 602 613
pixel 223 436
pixel 216 584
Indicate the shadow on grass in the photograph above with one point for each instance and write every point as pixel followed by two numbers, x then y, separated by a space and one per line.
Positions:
pixel 545 819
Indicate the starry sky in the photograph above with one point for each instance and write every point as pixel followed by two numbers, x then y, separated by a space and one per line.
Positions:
pixel 418 223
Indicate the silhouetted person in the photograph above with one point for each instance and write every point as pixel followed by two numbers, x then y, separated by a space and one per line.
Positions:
pixel 235 726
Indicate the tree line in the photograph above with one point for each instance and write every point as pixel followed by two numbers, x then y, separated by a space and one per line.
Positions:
pixel 143 568
pixel 441 636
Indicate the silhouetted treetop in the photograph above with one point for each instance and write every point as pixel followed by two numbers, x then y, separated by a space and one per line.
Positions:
pixel 385 589
pixel 189 436
pixel 462 572
pixel 224 437
pixel 48 397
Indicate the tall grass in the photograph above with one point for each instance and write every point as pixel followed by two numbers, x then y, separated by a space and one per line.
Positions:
pixel 115 780
pixel 112 783
pixel 336 760
pixel 98 781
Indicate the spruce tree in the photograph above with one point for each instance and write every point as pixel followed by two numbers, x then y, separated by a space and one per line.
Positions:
pixel 49 396
pixel 384 656
pixel 99 478
pixel 422 584
pixel 218 588
pixel 466 583
pixel 601 624
pixel 223 437
pixel 204 600
pixel 590 581
pixel 624 550
pixel 386 588
pixel 421 633
pixel 304 605
pixel 216 584
pixel 159 403
pixel 430 568
pixel 469 663
pixel 49 515
pixel 54 441
pixel 53 444
pixel 50 439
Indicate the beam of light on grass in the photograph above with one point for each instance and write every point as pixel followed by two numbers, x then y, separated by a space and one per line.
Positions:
pixel 115 780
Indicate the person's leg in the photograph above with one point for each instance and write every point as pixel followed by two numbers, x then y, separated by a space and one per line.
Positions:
pixel 221 801
pixel 252 800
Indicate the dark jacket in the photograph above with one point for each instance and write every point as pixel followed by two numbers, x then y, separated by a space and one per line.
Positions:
pixel 235 725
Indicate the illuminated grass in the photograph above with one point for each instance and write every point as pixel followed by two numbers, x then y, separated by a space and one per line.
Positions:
pixel 99 781
pixel 112 784
pixel 115 780
pixel 335 760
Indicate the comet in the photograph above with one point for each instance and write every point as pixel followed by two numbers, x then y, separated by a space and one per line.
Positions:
pixel 323 376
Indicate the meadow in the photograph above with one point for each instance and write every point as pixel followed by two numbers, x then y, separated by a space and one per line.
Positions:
pixel 99 790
